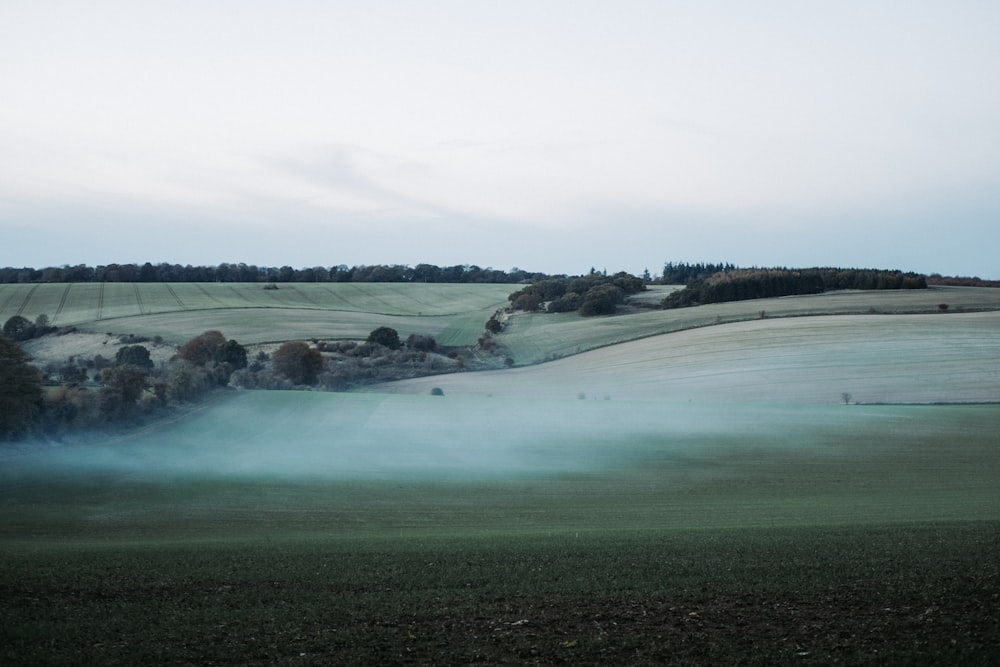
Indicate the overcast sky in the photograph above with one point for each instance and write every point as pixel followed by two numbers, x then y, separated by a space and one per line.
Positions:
pixel 552 136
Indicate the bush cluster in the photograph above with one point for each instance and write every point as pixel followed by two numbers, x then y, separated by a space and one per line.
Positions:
pixel 118 391
pixel 593 294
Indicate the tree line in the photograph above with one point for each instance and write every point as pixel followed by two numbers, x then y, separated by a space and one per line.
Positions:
pixel 744 284
pixel 251 273
pixel 681 273
pixel 961 281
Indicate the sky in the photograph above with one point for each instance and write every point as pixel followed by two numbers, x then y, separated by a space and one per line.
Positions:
pixel 552 136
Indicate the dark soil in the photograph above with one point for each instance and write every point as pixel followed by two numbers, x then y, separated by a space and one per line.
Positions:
pixel 926 595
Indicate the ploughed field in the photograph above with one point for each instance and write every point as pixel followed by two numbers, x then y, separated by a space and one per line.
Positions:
pixel 702 497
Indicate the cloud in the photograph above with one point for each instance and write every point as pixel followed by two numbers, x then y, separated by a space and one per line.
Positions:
pixel 345 177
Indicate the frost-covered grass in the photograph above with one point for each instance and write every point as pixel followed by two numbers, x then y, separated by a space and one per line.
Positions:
pixel 541 337
pixel 874 358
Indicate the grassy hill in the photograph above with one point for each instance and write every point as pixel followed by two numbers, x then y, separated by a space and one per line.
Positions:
pixel 454 313
pixel 875 358
pixel 541 337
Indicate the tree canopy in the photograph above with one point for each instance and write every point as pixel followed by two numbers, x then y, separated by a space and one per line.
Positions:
pixel 386 336
pixel 743 284
pixel 593 294
pixel 298 362
pixel 136 355
pixel 18 328
pixel 251 273
pixel 202 348
pixel 20 390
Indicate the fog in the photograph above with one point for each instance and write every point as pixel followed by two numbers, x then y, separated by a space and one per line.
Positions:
pixel 309 435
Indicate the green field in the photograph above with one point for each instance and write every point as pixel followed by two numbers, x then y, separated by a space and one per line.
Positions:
pixel 712 500
pixel 310 528
pixel 875 358
pixel 453 313
pixel 542 337
pixel 342 465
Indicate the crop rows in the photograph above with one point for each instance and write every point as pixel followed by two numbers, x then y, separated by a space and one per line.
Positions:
pixel 455 313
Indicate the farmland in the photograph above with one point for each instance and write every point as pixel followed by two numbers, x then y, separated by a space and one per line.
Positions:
pixel 453 313
pixel 177 311
pixel 282 527
pixel 875 358
pixel 542 337
pixel 702 496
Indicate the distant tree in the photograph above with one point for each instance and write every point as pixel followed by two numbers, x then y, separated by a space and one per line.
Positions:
pixel 602 301
pixel 137 355
pixel 567 303
pixel 527 302
pixel 185 383
pixel 385 336
pixel 18 328
pixel 202 349
pixel 232 353
pixel 298 362
pixel 421 343
pixel 123 385
pixel 20 390
pixel 70 407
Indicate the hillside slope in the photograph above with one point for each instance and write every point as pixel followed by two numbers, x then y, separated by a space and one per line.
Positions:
pixel 874 358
